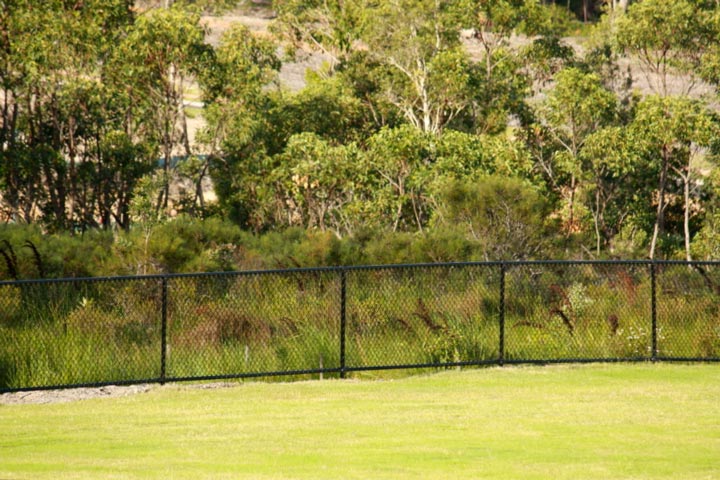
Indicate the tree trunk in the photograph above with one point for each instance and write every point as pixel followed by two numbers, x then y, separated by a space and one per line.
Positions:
pixel 72 152
pixel 660 215
pixel 686 220
pixel 596 220
pixel 571 221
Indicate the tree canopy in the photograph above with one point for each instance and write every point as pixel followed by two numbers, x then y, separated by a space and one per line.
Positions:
pixel 476 120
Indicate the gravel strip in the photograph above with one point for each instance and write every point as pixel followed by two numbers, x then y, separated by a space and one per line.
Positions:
pixel 71 394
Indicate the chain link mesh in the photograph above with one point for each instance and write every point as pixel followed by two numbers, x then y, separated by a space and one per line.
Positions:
pixel 423 315
pixel 79 332
pixel 577 311
pixel 70 332
pixel 250 324
pixel 688 319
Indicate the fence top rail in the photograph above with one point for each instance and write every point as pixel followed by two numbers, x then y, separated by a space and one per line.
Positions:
pixel 405 266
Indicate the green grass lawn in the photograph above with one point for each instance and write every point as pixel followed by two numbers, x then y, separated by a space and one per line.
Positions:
pixel 574 422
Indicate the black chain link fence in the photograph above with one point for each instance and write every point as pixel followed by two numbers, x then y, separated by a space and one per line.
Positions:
pixel 335 321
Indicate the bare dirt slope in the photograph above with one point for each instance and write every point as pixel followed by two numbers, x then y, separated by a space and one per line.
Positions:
pixel 257 16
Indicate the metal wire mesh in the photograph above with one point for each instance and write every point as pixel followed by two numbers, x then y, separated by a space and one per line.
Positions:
pixel 422 316
pixel 335 320
pixel 79 332
pixel 565 311
pixel 237 324
pixel 688 319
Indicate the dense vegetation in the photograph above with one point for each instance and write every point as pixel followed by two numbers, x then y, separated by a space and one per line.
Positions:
pixel 405 145
pixel 249 323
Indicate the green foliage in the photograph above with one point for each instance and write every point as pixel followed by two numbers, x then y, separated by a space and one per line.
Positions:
pixel 505 217
pixel 243 64
pixel 665 36
pixel 499 90
pixel 332 27
pixel 413 97
pixel 611 170
pixel 325 107
pixel 56 110
pixel 37 255
pixel 546 56
pixel 311 182
pixel 577 106
pixel 670 133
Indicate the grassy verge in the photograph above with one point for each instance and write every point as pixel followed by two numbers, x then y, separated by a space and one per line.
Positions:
pixel 619 421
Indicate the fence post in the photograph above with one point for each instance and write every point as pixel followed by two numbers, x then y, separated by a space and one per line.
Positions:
pixel 163 333
pixel 653 310
pixel 501 354
pixel 343 320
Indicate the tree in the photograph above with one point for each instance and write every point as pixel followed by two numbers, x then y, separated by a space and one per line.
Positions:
pixel 499 84
pixel 673 132
pixel 426 74
pixel 492 22
pixel 576 107
pixel 235 92
pixel 397 159
pixel 314 181
pixel 460 156
pixel 430 74
pixel 665 37
pixel 333 27
pixel 154 64
pixel 504 214
pixel 613 175
pixel 51 55
pixel 710 62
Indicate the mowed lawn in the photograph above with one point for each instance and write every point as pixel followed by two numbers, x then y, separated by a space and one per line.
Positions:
pixel 573 422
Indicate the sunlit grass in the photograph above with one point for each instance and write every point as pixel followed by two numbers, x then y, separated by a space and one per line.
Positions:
pixel 622 421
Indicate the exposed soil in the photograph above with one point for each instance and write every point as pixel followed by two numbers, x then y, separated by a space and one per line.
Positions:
pixel 72 394
pixel 110 391
pixel 292 74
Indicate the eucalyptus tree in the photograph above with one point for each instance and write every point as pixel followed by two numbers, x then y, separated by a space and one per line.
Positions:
pixel 50 51
pixel 314 181
pixel 240 132
pixel 154 64
pixel 710 62
pixel 577 106
pixel 666 38
pixel 613 174
pixel 672 132
pixel 426 74
pixel 399 161
pixel 332 27
pixel 430 74
pixel 493 22
pixel 236 96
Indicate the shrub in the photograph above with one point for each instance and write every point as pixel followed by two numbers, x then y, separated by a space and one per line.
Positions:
pixel 503 215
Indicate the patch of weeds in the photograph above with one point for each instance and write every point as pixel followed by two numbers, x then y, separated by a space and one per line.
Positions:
pixel 709 343
pixel 636 342
pixel 7 371
pixel 136 332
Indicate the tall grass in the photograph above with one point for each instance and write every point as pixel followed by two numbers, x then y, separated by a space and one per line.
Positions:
pixel 235 324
